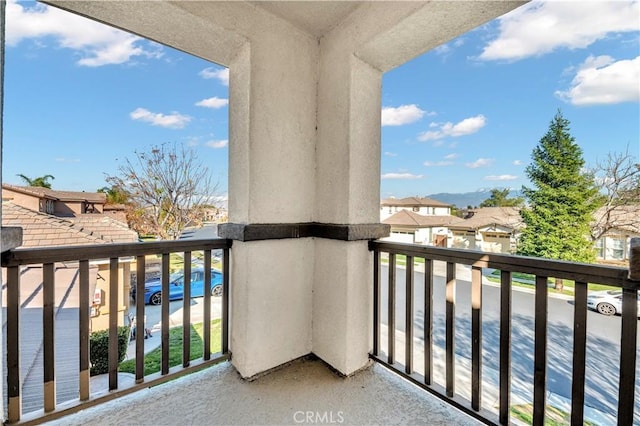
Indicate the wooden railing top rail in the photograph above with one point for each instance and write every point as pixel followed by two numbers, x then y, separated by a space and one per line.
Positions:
pixel 27 256
pixel 609 275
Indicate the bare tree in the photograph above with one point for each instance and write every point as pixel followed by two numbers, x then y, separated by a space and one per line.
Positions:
pixel 167 188
pixel 618 176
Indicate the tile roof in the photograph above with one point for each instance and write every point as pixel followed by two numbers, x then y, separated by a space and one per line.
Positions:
pixel 624 218
pixel 41 230
pixel 508 217
pixel 413 202
pixel 90 197
pixel 409 218
pixel 107 227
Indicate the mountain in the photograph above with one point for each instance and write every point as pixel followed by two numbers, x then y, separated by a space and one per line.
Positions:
pixel 462 200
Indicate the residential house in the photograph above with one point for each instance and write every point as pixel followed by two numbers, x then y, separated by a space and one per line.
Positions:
pixel 410 227
pixel 53 202
pixel 420 205
pixel 491 229
pixel 614 245
pixel 44 230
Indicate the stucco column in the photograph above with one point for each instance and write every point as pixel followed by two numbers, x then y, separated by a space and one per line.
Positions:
pixel 347 192
pixel 303 200
pixel 272 116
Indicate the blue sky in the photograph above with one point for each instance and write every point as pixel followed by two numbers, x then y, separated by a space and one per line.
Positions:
pixel 80 97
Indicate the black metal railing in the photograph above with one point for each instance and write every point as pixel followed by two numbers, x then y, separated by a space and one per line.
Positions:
pixel 387 254
pixel 82 257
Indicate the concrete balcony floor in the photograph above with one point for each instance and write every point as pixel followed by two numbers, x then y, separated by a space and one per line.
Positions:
pixel 304 392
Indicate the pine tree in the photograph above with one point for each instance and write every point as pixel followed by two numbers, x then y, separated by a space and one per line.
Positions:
pixel 562 202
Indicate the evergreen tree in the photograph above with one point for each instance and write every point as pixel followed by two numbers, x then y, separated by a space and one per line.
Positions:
pixel 562 202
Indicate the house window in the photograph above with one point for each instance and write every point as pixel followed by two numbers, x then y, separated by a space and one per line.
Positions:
pixel 416 209
pixel 49 207
pixel 599 246
pixel 617 251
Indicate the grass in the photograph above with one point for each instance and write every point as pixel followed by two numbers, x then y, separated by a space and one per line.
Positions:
pixel 553 416
pixel 518 278
pixel 569 285
pixel 152 360
pixel 401 260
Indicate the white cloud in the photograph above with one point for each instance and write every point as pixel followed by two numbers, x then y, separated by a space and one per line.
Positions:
pixel 390 154
pixel 602 80
pixel 480 162
pixel 98 44
pixel 214 102
pixel 221 74
pixel 442 49
pixel 465 127
pixel 517 163
pixel 451 156
pixel 407 176
pixel 542 27
pixel 438 163
pixel 217 144
pixel 67 160
pixel 404 114
pixel 171 121
pixel 501 177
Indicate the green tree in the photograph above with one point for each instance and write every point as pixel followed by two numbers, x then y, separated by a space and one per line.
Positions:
pixel 500 198
pixel 562 202
pixel 115 195
pixel 166 189
pixel 42 181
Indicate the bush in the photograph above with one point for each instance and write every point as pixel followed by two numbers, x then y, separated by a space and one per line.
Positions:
pixel 99 349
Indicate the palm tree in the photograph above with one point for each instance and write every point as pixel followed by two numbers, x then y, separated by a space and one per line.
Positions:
pixel 42 181
pixel 114 195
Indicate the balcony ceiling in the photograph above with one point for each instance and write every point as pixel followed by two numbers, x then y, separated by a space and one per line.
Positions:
pixel 313 17
pixel 383 33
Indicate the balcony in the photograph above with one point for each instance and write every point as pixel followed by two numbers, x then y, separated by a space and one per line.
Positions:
pixel 443 352
pixel 302 277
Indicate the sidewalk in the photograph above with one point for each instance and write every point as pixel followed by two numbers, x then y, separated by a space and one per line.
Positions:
pixel 175 320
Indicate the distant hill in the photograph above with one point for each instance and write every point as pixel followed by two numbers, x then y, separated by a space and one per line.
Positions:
pixel 465 199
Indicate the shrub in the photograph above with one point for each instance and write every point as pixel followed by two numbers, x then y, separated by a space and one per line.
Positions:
pixel 99 349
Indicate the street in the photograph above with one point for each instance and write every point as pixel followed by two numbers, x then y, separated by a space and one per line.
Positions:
pixel 603 344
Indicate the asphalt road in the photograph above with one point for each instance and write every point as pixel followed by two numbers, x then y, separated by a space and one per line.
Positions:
pixel 603 341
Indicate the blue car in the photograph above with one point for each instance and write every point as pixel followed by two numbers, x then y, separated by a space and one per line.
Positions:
pixel 153 287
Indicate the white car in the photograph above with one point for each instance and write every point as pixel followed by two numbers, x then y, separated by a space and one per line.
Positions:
pixel 607 302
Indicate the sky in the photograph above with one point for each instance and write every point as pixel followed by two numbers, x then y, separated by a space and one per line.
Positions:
pixel 80 97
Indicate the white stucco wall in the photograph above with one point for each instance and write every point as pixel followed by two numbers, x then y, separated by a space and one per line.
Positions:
pixel 342 314
pixel 271 303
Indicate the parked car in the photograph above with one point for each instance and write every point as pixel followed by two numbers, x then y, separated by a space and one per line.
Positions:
pixel 153 287
pixel 607 302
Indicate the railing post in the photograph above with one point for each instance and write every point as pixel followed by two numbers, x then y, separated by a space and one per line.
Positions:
pixel 628 343
pixel 634 259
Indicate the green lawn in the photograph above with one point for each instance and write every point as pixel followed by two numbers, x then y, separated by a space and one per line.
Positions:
pixel 527 280
pixel 152 360
pixel 401 260
pixel 519 279
pixel 553 416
